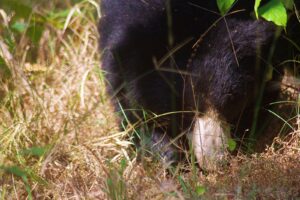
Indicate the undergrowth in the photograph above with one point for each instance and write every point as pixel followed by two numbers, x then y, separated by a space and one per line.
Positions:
pixel 59 138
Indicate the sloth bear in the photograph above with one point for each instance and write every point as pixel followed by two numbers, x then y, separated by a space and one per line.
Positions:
pixel 177 68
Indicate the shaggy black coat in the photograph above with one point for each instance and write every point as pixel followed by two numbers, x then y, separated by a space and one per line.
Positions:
pixel 181 57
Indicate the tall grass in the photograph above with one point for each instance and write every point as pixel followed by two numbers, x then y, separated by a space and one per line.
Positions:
pixel 52 99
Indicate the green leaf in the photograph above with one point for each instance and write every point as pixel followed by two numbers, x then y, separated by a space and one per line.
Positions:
pixel 35 151
pixel 19 27
pixel 231 145
pixel 123 166
pixel 274 11
pixel 27 187
pixel 58 18
pixel 224 5
pixel 183 185
pixel 256 5
pixel 200 190
pixel 15 170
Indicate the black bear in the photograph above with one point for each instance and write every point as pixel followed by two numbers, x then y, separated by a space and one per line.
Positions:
pixel 177 66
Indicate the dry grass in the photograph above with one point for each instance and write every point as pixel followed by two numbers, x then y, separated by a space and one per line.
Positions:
pixel 59 106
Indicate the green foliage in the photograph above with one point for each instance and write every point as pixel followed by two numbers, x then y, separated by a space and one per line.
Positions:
pixel 200 190
pixel 16 171
pixel 224 5
pixel 231 145
pixel 115 183
pixel 274 11
pixel 28 20
pixel 191 189
pixel 256 5
pixel 21 8
pixel 35 151
pixel 19 27
pixel 24 23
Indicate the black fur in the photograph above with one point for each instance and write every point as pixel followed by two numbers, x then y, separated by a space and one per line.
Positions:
pixel 221 73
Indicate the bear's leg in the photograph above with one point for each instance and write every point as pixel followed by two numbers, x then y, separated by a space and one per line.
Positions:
pixel 210 137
